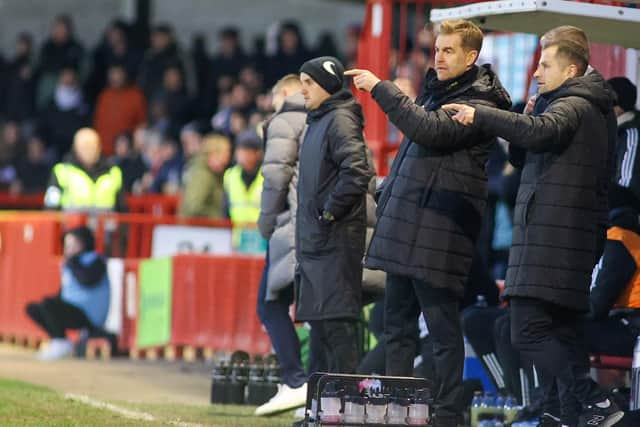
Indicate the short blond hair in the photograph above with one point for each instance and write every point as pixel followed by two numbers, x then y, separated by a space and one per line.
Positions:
pixel 470 34
pixel 290 80
pixel 214 143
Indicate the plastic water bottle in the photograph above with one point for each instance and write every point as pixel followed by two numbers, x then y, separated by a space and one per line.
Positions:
pixel 487 411
pixel 510 409
pixel 476 402
pixel 498 411
pixel 634 404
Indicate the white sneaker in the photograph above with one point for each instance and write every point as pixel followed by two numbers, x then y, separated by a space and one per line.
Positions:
pixel 57 349
pixel 286 398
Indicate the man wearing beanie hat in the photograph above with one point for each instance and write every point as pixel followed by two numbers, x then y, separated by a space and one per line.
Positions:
pixel 333 179
pixel 83 301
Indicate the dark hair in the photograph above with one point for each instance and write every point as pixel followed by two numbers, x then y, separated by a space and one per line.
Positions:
pixel 85 235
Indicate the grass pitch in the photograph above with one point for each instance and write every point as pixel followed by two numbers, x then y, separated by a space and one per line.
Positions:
pixel 23 404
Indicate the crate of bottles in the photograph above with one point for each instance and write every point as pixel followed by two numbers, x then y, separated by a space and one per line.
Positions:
pixel 356 400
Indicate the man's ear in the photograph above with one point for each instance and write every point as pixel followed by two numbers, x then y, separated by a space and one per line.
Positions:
pixel 571 71
pixel 471 57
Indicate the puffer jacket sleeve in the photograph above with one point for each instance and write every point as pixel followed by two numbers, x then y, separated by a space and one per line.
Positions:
pixel 278 169
pixel 552 130
pixel 434 129
pixel 348 152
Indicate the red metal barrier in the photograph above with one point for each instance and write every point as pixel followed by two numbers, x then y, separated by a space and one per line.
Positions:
pixel 154 204
pixel 135 232
pixel 214 303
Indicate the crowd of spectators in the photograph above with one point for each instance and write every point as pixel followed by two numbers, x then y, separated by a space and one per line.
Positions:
pixel 151 100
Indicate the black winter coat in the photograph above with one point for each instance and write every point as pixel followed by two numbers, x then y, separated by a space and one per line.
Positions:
pixel 430 210
pixel 333 176
pixel 558 229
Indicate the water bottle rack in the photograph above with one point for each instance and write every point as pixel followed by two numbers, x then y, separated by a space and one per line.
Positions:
pixel 319 380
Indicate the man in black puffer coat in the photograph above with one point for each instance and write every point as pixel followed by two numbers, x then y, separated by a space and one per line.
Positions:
pixel 430 210
pixel 333 178
pixel 558 233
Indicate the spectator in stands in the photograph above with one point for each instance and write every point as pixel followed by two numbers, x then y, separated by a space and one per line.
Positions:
pixel 282 137
pixel 83 301
pixel 239 103
pixel 85 182
pixel 230 57
pixel 333 181
pixel 114 48
pixel 243 183
pixel 66 113
pixel 33 170
pixel 129 161
pixel 152 155
pixel 290 55
pixel 176 99
pixel 167 180
pixel 162 54
pixel 326 45
pixel 203 189
pixel 61 51
pixel 121 107
pixel 19 93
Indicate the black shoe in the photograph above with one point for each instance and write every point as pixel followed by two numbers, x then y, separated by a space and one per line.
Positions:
pixel 600 414
pixel 548 420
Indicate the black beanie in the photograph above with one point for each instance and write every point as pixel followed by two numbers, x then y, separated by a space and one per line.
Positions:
pixel 626 91
pixel 327 71
pixel 85 235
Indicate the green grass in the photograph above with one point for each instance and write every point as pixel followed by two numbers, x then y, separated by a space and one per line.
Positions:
pixel 23 404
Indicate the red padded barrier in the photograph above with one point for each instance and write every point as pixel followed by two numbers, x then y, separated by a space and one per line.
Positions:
pixel 130 295
pixel 29 270
pixel 214 303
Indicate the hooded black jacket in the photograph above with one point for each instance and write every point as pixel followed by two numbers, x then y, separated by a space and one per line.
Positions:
pixel 560 206
pixel 430 210
pixel 333 176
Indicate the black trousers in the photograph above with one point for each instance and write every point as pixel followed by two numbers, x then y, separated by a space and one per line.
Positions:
pixel 551 337
pixel 335 343
pixel 404 299
pixel 56 316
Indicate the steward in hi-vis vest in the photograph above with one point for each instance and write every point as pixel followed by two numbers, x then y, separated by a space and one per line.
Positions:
pixel 85 182
pixel 243 186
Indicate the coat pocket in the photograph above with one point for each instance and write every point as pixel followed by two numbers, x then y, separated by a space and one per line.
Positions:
pixel 383 196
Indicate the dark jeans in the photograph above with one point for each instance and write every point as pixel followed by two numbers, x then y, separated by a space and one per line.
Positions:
pixel 551 337
pixel 335 341
pixel 274 315
pixel 404 298
pixel 56 316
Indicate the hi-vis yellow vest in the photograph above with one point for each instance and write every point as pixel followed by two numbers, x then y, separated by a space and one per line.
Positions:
pixel 631 241
pixel 79 191
pixel 244 203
